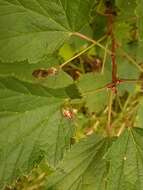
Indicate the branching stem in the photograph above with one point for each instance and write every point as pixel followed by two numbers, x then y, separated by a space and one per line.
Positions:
pixel 112 85
pixel 115 80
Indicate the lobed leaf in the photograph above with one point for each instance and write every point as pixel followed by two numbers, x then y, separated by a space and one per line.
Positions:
pixel 126 161
pixel 89 84
pixel 23 71
pixel 32 127
pixel 32 29
pixel 83 168
pixel 97 163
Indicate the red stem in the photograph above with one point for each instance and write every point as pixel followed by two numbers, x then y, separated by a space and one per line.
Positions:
pixel 113 49
pixel 113 57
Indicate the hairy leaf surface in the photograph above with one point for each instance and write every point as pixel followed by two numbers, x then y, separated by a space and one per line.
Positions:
pixel 31 127
pixel 23 71
pixel 89 167
pixel 126 161
pixel 83 168
pixel 89 84
pixel 31 29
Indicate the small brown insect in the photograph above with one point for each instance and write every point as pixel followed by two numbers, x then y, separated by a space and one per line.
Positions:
pixel 43 73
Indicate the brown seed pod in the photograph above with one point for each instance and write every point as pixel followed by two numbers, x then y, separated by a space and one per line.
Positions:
pixel 43 73
pixel 52 71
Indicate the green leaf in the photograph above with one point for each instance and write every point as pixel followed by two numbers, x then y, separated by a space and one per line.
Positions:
pixel 127 70
pixel 139 14
pixel 89 84
pixel 32 127
pixel 127 8
pixel 66 52
pixel 83 168
pixel 32 29
pixel 23 71
pixel 134 49
pixel 95 164
pixel 122 32
pixel 126 161
pixel 139 116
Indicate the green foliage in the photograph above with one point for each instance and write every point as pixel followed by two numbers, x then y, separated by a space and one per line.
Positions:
pixel 32 127
pixel 139 14
pixel 139 118
pixel 83 167
pixel 31 29
pixel 23 71
pixel 89 85
pixel 71 84
pixel 96 163
pixel 125 161
pixel 126 8
pixel 127 71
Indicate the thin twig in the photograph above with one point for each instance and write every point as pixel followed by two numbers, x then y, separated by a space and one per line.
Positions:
pixel 105 56
pixel 80 53
pixel 121 130
pixel 95 90
pixel 131 60
pixel 109 112
pixel 125 110
pixel 119 101
pixel 132 80
pixel 91 40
